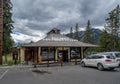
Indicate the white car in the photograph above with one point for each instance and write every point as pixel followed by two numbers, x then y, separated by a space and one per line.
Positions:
pixel 116 54
pixel 100 61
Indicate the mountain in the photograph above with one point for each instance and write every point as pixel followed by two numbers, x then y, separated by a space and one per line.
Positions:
pixel 96 33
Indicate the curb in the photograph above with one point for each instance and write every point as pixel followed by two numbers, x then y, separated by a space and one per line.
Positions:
pixel 2 67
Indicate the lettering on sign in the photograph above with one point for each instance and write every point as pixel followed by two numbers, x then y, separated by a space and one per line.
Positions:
pixel 59 39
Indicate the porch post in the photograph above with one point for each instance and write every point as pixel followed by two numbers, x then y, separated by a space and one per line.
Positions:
pixel 22 55
pixel 48 57
pixel 69 54
pixel 19 55
pixel 56 54
pixel 39 55
pixel 82 54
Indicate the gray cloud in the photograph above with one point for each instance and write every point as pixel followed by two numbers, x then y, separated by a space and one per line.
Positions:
pixel 42 15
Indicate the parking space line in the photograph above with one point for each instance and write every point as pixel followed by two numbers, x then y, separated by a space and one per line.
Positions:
pixel 3 74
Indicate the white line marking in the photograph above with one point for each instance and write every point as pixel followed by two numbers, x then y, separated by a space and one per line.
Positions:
pixel 3 74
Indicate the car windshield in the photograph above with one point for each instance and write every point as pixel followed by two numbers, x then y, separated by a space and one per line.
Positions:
pixel 117 55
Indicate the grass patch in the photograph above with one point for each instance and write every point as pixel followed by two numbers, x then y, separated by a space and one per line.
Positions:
pixel 10 60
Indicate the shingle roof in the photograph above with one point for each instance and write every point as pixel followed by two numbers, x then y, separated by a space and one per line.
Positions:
pixel 58 40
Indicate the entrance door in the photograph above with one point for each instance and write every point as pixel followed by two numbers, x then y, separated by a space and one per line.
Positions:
pixel 64 55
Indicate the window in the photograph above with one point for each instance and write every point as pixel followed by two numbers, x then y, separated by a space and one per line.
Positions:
pixel 95 57
pixel 89 57
pixel 48 54
pixel 117 55
pixel 100 57
pixel 110 57
pixel 75 53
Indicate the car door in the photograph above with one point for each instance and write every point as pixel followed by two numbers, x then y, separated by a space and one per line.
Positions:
pixel 93 60
pixel 89 60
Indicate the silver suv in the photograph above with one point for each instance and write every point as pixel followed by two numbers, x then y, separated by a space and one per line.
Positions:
pixel 100 61
pixel 116 54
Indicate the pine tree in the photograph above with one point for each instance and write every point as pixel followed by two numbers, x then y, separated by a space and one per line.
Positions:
pixel 104 41
pixel 88 36
pixel 71 32
pixel 7 28
pixel 113 27
pixel 77 32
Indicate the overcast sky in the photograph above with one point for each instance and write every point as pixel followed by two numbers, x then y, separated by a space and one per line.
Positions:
pixel 34 18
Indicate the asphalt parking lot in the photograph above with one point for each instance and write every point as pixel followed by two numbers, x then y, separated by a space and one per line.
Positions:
pixel 60 75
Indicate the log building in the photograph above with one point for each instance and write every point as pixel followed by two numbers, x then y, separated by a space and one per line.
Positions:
pixel 52 47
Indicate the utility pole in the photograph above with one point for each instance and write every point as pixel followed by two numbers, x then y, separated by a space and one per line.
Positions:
pixel 1 29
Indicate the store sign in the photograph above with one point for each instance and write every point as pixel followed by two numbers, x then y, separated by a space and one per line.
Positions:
pixel 59 39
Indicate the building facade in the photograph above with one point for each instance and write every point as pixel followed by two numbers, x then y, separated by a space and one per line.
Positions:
pixel 54 47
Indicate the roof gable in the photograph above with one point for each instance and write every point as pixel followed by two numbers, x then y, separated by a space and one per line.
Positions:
pixel 54 31
pixel 58 40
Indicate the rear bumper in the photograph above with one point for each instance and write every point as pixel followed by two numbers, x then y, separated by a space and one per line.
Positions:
pixel 113 65
pixel 119 62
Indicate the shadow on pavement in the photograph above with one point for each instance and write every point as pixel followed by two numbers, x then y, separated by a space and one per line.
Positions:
pixel 41 72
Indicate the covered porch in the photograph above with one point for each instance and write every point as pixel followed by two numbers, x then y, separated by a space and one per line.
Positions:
pixel 41 55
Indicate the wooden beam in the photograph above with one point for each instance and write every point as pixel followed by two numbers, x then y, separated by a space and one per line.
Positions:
pixel 56 54
pixel 48 57
pixel 22 55
pixel 69 54
pixel 39 55
pixel 82 53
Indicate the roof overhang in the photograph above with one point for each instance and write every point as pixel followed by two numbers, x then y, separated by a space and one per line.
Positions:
pixel 58 40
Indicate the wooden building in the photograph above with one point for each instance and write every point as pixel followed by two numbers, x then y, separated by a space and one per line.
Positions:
pixel 53 47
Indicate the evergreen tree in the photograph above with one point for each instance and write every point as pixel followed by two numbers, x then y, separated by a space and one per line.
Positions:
pixel 113 27
pixel 88 36
pixel 7 27
pixel 71 32
pixel 104 41
pixel 76 32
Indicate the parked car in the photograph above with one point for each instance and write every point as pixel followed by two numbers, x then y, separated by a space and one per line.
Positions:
pixel 116 54
pixel 100 61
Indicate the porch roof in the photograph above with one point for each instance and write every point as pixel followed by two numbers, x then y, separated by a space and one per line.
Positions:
pixel 58 40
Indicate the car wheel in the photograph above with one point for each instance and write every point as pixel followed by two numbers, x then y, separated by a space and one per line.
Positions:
pixel 100 67
pixel 82 64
